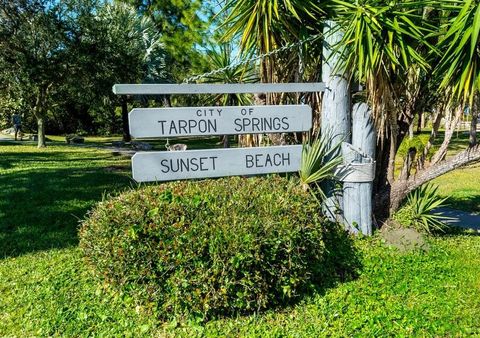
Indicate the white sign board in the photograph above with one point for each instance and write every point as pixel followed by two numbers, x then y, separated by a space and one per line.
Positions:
pixel 197 121
pixel 177 165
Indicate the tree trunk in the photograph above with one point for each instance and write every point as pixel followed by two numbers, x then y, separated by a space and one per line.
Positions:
pixel 125 126
pixel 437 119
pixel 225 141
pixel 41 132
pixel 357 196
pixel 473 126
pixel 39 112
pixel 420 122
pixel 450 126
pixel 401 188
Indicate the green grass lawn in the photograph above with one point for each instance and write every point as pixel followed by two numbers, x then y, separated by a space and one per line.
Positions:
pixel 45 289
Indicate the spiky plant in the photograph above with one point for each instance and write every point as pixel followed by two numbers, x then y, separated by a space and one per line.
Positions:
pixel 320 158
pixel 418 210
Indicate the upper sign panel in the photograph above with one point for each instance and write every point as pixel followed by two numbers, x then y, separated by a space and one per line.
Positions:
pixel 196 121
pixel 214 88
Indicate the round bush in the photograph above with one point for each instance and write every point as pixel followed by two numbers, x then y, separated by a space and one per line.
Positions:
pixel 212 247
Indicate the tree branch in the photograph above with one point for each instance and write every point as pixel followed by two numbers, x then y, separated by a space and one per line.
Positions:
pixel 469 155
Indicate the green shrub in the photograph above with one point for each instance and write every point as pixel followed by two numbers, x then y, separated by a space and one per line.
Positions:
pixel 418 142
pixel 418 210
pixel 212 247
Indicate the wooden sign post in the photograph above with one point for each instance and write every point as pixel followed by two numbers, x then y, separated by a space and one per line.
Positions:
pixel 216 120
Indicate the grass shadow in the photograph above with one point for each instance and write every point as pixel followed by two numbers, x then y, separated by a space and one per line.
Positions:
pixel 468 202
pixel 40 208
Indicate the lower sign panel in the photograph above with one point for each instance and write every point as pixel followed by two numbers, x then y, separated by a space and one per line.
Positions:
pixel 179 165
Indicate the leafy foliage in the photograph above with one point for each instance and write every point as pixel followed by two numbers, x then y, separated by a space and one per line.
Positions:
pixel 418 210
pixel 459 66
pixel 320 159
pixel 60 59
pixel 213 247
pixel 380 35
pixel 220 57
pixel 263 23
pixel 183 27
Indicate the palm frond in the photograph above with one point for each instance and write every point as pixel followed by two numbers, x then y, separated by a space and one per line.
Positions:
pixel 320 158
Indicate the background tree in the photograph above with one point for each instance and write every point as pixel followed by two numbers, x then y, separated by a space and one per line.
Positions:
pixel 60 59
pixel 219 57
pixel 184 28
pixel 33 50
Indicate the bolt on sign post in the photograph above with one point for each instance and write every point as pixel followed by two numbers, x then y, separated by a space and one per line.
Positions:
pixel 216 120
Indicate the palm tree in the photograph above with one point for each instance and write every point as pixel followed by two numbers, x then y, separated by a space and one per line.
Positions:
pixel 391 49
pixel 237 72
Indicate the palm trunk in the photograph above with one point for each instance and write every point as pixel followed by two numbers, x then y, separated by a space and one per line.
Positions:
pixel 401 188
pixel 449 130
pixel 473 125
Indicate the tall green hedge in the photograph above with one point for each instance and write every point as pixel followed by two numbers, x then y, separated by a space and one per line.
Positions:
pixel 212 247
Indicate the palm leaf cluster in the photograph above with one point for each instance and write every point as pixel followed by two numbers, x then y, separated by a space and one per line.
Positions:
pixel 320 158
pixel 419 210
pixel 460 63
pixel 221 57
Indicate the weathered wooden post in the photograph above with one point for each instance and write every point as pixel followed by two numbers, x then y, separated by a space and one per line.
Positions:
pixel 360 165
pixel 335 104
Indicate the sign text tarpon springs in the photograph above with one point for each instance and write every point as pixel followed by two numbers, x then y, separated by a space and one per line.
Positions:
pixel 197 121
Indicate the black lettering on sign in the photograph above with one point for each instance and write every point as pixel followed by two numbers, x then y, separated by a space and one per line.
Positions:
pixel 165 167
pixel 188 164
pixel 186 127
pixel 261 124
pixel 173 128
pixel 258 162
pixel 238 125
pixel 209 112
pixel 212 125
pixel 194 164
pixel 267 160
pixel 256 124
pixel 192 125
pixel 182 125
pixel 248 161
pixel 267 124
pixel 276 123
pixel 162 125
pixel 213 158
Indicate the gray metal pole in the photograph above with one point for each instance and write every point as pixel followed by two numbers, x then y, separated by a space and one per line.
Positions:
pixel 357 200
pixel 335 105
